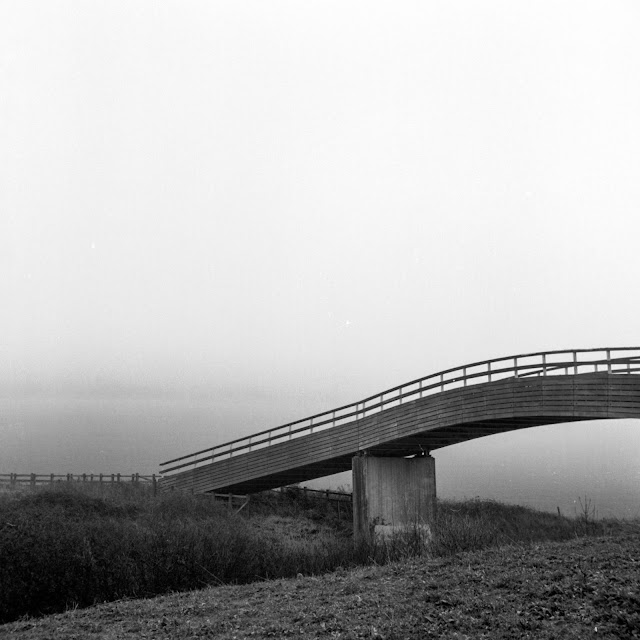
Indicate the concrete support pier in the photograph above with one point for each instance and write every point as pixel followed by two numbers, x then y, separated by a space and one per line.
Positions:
pixel 391 494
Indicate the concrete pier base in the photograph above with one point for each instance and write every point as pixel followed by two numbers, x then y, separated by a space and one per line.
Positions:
pixel 391 494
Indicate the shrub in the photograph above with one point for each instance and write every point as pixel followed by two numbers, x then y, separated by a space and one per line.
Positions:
pixel 62 548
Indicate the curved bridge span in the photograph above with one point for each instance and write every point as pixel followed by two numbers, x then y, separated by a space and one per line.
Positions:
pixel 415 418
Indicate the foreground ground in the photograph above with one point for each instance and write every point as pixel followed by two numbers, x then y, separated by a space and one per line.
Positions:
pixel 584 588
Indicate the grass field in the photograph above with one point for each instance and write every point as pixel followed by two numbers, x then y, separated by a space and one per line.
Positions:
pixel 581 588
pixel 70 548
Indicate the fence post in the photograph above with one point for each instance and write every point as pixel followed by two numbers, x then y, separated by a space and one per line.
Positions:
pixel 154 483
pixel 118 476
pixel 33 480
pixel 84 477
pixel 51 480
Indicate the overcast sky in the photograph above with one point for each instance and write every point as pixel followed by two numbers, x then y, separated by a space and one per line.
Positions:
pixel 283 206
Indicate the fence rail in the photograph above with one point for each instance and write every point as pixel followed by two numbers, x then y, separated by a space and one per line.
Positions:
pixel 611 360
pixel 15 480
pixel 326 494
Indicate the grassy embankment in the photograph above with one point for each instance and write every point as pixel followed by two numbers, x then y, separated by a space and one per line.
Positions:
pixel 69 547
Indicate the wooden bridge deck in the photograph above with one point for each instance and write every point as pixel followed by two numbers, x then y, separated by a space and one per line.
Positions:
pixel 421 425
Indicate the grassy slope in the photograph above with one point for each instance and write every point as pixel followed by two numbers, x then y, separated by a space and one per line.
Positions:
pixel 586 587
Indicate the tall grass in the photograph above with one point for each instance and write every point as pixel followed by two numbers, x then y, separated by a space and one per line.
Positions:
pixel 68 547
pixel 76 546
pixel 478 524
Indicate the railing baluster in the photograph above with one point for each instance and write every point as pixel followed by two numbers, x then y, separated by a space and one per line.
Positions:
pixel 464 376
pixel 420 387
pixel 608 360
pixel 489 370
pixel 515 367
pixel 442 382
pixel 544 364
pixel 575 365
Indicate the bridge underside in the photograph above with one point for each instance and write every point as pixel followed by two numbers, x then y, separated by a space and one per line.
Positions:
pixel 421 426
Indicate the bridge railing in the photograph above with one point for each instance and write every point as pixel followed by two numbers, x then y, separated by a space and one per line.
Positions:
pixel 612 360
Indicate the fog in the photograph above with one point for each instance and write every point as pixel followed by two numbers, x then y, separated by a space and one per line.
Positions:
pixel 218 217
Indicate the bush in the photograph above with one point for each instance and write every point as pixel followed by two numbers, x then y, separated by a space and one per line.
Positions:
pixel 61 548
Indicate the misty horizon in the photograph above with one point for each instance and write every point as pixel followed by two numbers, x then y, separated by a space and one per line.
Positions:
pixel 218 218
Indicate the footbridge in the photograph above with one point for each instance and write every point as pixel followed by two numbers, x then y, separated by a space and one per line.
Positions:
pixel 386 438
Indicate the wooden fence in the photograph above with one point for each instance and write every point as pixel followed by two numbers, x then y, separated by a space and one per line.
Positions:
pixel 343 501
pixel 17 480
pixel 326 494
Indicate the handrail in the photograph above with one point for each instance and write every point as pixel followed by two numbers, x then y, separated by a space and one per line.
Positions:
pixel 518 366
